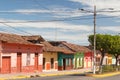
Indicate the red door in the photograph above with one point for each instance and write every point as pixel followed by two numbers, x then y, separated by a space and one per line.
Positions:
pixel 6 63
pixel 36 61
pixel 19 62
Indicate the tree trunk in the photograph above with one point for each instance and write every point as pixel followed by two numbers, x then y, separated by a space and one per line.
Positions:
pixel 101 62
pixel 116 57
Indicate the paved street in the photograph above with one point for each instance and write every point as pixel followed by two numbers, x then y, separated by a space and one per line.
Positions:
pixel 74 77
pixel 116 77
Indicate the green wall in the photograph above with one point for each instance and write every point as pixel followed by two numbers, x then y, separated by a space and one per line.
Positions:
pixel 61 56
pixel 78 60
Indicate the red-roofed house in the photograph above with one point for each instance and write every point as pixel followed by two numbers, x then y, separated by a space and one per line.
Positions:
pixel 82 56
pixel 18 55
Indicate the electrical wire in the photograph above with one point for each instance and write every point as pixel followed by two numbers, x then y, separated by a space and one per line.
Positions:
pixel 16 28
pixel 57 20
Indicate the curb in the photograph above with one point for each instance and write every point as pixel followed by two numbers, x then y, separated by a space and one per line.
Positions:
pixel 43 75
pixel 59 74
pixel 103 75
pixel 15 77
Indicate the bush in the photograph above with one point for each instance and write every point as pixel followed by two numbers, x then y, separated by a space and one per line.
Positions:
pixel 110 68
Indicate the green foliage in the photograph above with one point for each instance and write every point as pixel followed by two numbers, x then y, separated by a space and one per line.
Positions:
pixel 106 44
pixel 115 45
pixel 110 68
pixel 109 43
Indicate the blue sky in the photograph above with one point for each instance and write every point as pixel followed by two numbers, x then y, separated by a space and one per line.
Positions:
pixel 60 19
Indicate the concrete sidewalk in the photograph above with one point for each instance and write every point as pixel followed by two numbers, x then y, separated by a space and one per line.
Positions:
pixel 42 74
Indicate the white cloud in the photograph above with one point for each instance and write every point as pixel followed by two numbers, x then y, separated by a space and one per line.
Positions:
pixel 110 28
pixel 62 28
pixel 60 25
pixel 102 5
pixel 56 11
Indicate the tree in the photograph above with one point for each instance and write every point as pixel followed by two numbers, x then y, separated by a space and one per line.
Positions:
pixel 115 47
pixel 102 44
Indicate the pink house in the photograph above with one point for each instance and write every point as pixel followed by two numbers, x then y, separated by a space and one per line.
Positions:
pixel 88 59
pixel 18 55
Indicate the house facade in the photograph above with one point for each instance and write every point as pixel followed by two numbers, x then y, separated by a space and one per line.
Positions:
pixel 53 56
pixel 65 61
pixel 88 60
pixel 78 60
pixel 82 56
pixel 50 57
pixel 18 55
pixel 107 60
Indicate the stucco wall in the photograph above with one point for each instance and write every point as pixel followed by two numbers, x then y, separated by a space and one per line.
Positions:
pixel 40 59
pixel 13 59
pixel 48 56
pixel 11 50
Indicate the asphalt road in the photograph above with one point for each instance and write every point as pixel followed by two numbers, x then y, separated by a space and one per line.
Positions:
pixel 74 77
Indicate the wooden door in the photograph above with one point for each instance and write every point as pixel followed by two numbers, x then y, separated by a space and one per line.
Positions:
pixel 36 61
pixel 19 62
pixel 6 65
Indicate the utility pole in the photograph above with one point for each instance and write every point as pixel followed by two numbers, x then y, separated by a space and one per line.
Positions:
pixel 94 56
pixel 94 51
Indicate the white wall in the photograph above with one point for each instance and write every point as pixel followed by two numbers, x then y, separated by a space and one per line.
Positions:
pixel 32 58
pixel 40 59
pixel 24 55
pixel 13 60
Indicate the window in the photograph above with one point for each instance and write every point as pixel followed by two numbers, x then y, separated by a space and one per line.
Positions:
pixel 68 61
pixel 28 59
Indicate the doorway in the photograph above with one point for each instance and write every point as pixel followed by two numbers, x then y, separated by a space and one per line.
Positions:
pixel 6 63
pixel 36 61
pixel 19 62
pixel 64 64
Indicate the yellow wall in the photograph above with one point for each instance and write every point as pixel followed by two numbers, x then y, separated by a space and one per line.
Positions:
pixel 48 56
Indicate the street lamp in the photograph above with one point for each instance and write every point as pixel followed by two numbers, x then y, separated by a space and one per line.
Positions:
pixel 94 56
pixel 94 51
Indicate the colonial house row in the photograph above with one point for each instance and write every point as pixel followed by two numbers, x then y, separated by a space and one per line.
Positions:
pixel 34 53
pixel 82 55
pixel 54 58
pixel 19 55
pixel 62 55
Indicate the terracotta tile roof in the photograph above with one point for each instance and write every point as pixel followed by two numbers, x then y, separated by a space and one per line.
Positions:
pixel 35 37
pixel 76 48
pixel 49 47
pixel 12 38
pixel 64 50
pixel 73 47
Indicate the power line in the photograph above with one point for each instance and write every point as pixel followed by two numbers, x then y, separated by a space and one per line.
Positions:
pixel 15 28
pixel 56 20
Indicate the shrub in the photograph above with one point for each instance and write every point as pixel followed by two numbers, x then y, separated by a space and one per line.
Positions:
pixel 110 68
